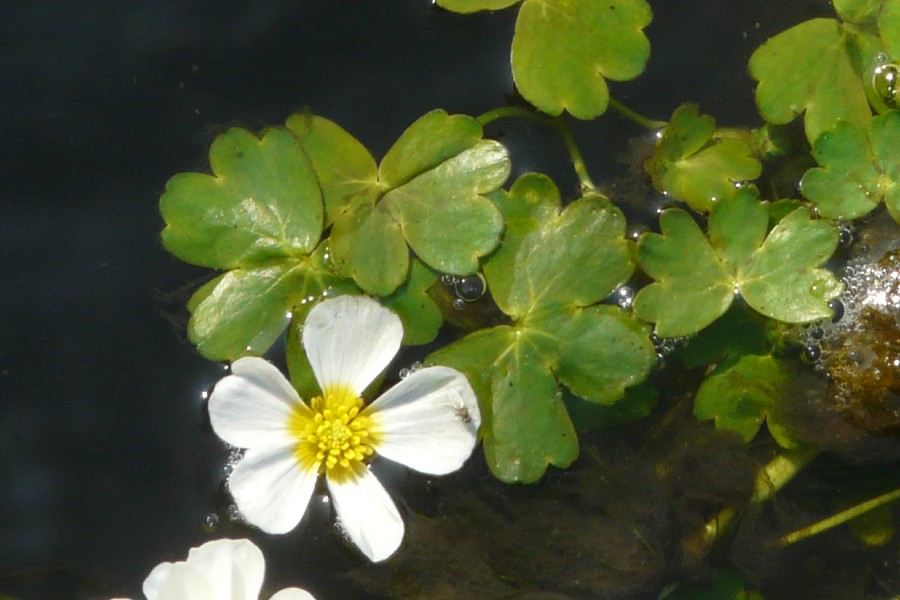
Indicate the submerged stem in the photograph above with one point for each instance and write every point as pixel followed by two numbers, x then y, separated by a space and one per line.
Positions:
pixel 840 518
pixel 556 123
pixel 631 115
pixel 771 478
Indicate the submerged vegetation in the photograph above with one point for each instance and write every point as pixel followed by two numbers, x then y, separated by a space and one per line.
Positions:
pixel 729 381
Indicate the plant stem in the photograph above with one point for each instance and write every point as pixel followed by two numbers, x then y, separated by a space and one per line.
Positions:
pixel 556 123
pixel 771 478
pixel 631 115
pixel 839 518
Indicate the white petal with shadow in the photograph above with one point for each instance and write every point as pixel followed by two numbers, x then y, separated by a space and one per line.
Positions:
pixel 367 514
pixel 177 581
pixel 271 489
pixel 292 594
pixel 429 421
pixel 349 340
pixel 251 407
pixel 234 567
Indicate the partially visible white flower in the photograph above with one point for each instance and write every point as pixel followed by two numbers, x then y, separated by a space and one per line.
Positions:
pixel 428 422
pixel 218 570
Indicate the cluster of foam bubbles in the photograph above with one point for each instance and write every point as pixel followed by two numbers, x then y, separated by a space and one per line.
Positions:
pixel 872 281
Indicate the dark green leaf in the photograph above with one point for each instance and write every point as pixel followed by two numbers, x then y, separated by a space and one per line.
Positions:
pixel 811 67
pixel 692 166
pixel 261 204
pixel 563 52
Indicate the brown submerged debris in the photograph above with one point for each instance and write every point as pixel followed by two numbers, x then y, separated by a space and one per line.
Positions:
pixel 865 374
pixel 619 524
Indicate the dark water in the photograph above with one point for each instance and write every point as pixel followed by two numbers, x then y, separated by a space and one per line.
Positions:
pixel 106 464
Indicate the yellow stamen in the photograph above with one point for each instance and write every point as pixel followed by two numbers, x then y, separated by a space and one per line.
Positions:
pixel 333 437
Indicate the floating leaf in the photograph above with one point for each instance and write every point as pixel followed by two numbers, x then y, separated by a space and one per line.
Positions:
pixel 563 52
pixel 857 11
pixel 346 171
pixel 470 6
pixel 889 27
pixel 858 170
pixel 259 216
pixel 532 200
pixel 813 67
pixel 427 195
pixel 419 314
pixel 696 278
pixel 261 204
pixel 740 395
pixel 564 263
pixel 694 166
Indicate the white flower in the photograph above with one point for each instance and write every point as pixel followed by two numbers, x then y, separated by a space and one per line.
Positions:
pixel 428 422
pixel 217 570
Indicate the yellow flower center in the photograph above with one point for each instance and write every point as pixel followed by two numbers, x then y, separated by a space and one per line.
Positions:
pixel 333 437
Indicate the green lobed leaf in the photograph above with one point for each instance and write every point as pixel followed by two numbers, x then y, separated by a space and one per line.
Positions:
pixel 692 287
pixel 603 351
pixel 420 316
pixel 739 396
pixel 737 231
pixel 564 50
pixel 811 67
pixel 693 166
pixel 857 170
pixel 781 279
pixel 889 27
pixel 427 194
pixel 696 279
pixel 857 11
pixel 532 200
pixel 367 245
pixel 261 204
pixel 432 139
pixel 575 259
pixel 470 6
pixel 242 312
pixel 442 214
pixel 346 171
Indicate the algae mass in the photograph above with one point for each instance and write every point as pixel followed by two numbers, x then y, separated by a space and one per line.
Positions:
pixel 645 357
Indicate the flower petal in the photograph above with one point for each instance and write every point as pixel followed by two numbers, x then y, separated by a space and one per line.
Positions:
pixel 429 421
pixel 271 489
pixel 367 514
pixel 235 568
pixel 251 407
pixel 293 594
pixel 349 340
pixel 177 581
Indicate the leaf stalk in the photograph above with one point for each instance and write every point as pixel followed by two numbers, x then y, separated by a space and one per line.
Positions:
pixel 555 123
pixel 839 518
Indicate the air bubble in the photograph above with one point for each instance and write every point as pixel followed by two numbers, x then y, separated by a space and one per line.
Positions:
pixel 210 523
pixel 459 304
pixel 838 308
pixel 811 353
pixel 624 296
pixel 845 235
pixel 407 371
pixel 470 288
pixel 448 279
